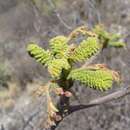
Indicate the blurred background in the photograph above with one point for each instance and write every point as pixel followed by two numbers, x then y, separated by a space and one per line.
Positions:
pixel 22 21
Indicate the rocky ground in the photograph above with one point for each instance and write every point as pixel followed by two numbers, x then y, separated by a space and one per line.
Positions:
pixel 22 21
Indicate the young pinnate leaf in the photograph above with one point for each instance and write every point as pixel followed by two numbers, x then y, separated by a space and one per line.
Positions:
pixel 39 53
pixel 98 79
pixel 56 66
pixel 86 49
pixel 58 46
pixel 108 39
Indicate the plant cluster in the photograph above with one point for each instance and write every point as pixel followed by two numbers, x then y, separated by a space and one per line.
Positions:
pixel 60 60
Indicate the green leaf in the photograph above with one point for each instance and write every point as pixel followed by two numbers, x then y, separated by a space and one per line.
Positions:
pixel 56 66
pixel 116 44
pixel 86 49
pixel 115 37
pixel 39 53
pixel 108 39
pixel 98 79
pixel 59 46
pixel 101 32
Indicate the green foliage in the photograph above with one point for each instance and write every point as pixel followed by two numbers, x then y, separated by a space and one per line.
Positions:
pixel 61 56
pixel 39 53
pixel 86 49
pixel 56 66
pixel 98 79
pixel 108 39
pixel 59 46
pixel 116 44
